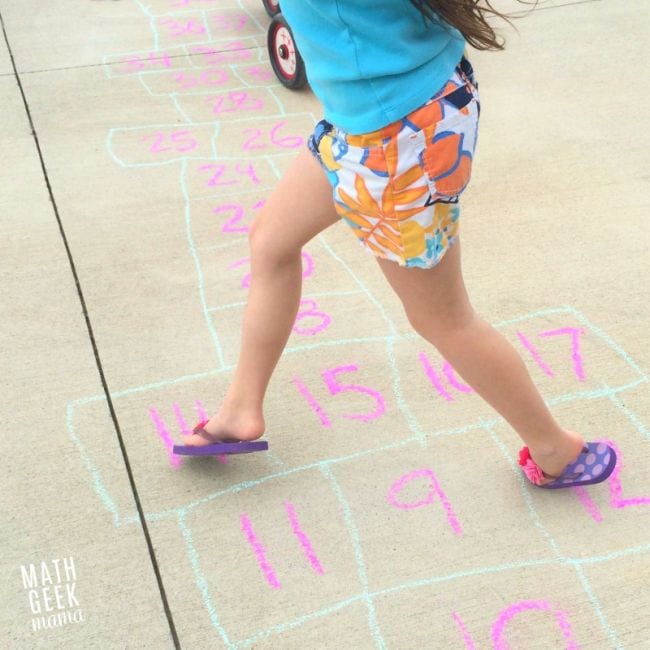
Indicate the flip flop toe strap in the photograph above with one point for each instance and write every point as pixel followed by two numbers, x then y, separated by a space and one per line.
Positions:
pixel 200 431
pixel 210 437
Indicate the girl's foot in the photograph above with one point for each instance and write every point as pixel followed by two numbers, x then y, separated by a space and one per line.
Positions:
pixel 553 460
pixel 235 426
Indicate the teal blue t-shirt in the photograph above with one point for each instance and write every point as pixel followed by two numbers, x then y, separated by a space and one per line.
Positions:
pixel 371 62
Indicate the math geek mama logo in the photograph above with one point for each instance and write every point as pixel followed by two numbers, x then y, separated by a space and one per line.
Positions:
pixel 50 588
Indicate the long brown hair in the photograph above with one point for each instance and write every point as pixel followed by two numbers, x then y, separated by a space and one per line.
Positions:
pixel 469 17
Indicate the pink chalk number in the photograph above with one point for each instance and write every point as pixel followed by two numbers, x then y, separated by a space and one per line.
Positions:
pixel 218 171
pixel 177 141
pixel 176 28
pixel 509 613
pixel 258 139
pixel 311 312
pixel 235 101
pixel 546 369
pixel 230 23
pixel 446 390
pixel 210 78
pixel 434 491
pixel 515 610
pixel 153 60
pixel 260 552
pixel 330 378
pixel 259 74
pixel 232 224
pixel 616 498
pixel 246 280
pixel 575 333
pixel 437 382
pixel 576 355
pixel 163 431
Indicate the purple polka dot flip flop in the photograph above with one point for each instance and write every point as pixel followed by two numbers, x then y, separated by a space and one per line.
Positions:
pixel 219 447
pixel 595 463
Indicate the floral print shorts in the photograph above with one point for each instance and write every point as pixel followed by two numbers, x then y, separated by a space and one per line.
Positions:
pixel 398 187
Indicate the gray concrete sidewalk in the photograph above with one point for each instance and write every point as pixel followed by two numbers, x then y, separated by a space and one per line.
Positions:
pixel 389 511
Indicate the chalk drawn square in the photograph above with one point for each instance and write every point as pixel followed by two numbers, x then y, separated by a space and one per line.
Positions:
pixel 227 106
pixel 272 553
pixel 227 24
pixel 568 356
pixel 601 519
pixel 184 80
pixel 354 255
pixel 532 607
pixel 226 273
pixel 333 402
pixel 236 51
pixel 159 144
pixel 433 392
pixel 321 322
pixel 228 178
pixel 619 584
pixel 259 74
pixel 145 61
pixel 422 512
pixel 152 419
pixel 256 137
pixel 222 223
pixel 181 29
pixel 569 359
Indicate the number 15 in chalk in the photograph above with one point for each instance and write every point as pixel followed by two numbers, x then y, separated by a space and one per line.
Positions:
pixel 335 388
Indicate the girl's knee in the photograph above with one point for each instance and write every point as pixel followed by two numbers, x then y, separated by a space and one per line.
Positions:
pixel 441 327
pixel 267 246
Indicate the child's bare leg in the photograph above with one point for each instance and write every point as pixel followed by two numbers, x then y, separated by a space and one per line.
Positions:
pixel 438 307
pixel 299 208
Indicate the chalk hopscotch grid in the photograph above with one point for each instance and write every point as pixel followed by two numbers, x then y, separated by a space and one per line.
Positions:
pixel 281 112
pixel 181 53
pixel 419 436
pixel 184 157
pixel 234 68
pixel 190 14
pixel 367 597
pixel 325 466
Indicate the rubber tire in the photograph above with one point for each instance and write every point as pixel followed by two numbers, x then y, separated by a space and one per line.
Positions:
pixel 272 9
pixel 299 79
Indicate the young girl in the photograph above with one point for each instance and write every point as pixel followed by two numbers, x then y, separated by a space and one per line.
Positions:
pixel 391 158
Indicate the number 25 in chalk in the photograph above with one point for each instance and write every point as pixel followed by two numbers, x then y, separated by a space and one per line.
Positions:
pixel 178 141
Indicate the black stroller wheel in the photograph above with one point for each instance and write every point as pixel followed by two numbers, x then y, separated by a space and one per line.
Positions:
pixel 272 7
pixel 285 58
